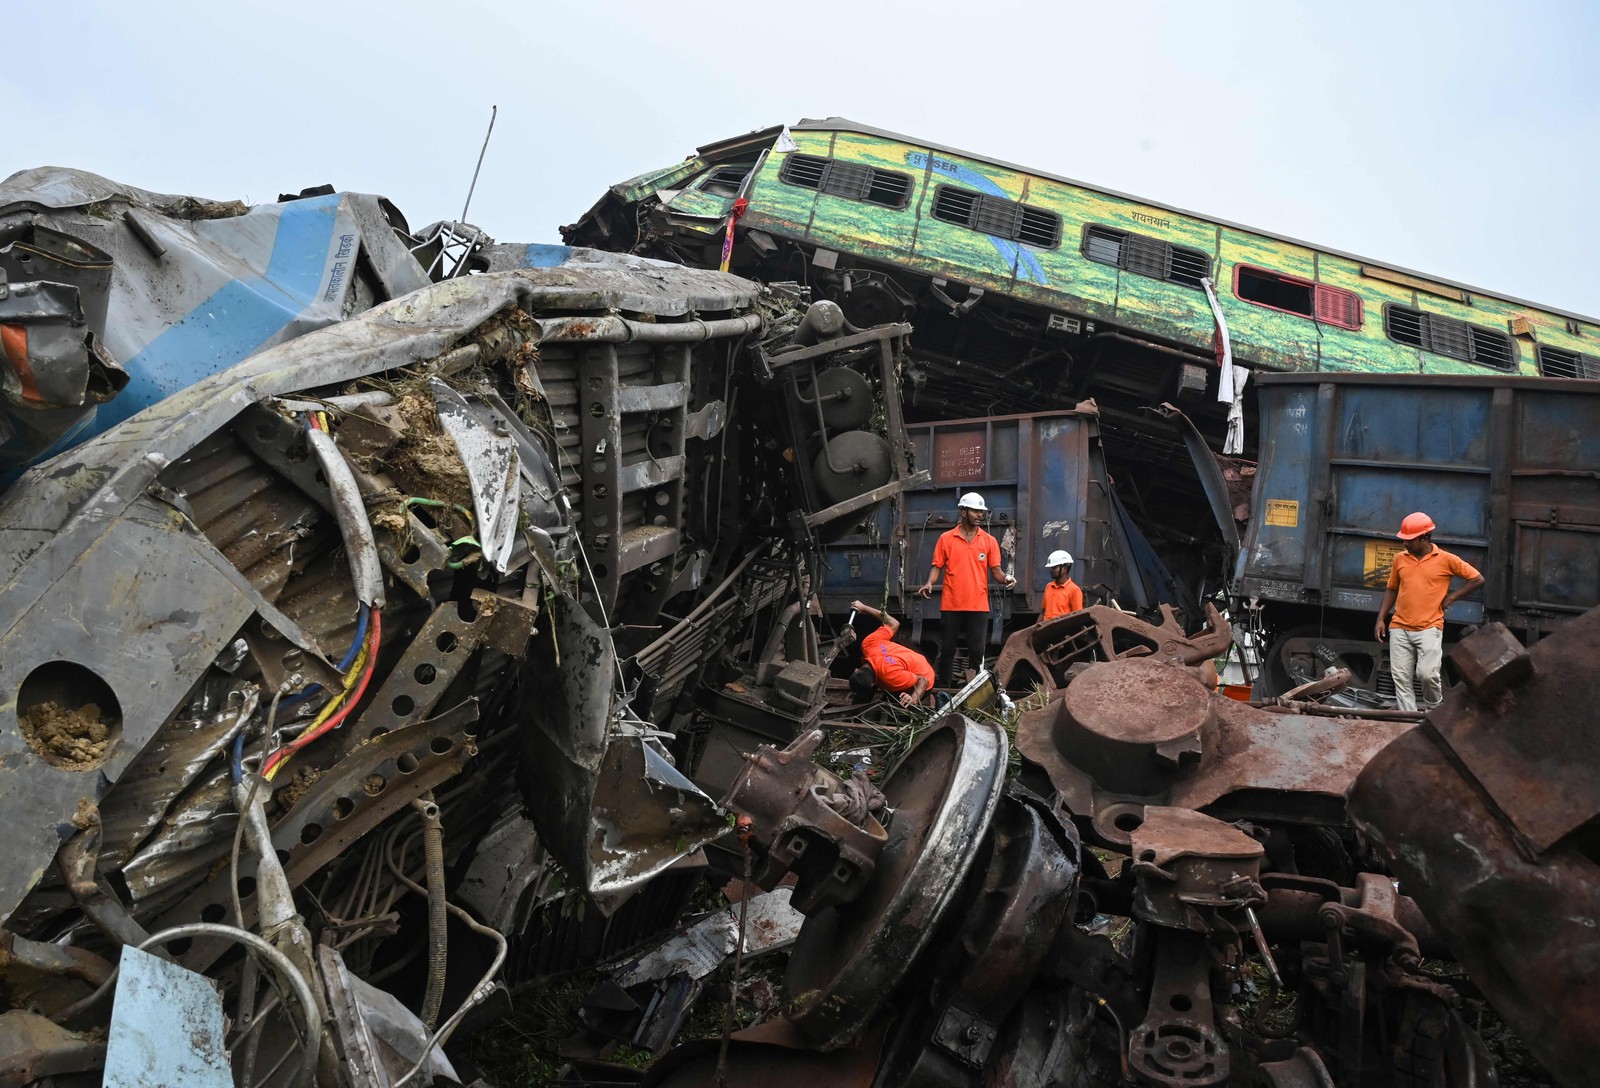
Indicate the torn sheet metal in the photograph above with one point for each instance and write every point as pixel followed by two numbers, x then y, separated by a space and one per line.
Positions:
pixel 167 1027
pixel 648 1001
pixel 492 468
pixel 53 367
pixel 379 1038
pixel 771 924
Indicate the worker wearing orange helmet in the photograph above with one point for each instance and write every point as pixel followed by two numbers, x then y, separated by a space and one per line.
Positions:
pixel 1419 592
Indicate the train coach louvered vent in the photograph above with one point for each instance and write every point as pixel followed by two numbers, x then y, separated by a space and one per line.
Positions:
pixel 1560 363
pixel 997 216
pixel 849 180
pixel 1450 337
pixel 1146 256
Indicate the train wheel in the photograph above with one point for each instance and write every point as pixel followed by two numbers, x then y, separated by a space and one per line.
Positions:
pixel 1304 654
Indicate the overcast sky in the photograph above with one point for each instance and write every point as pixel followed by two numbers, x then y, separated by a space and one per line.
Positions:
pixel 1459 139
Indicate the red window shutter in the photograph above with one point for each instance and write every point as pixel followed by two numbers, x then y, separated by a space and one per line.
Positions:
pixel 1338 307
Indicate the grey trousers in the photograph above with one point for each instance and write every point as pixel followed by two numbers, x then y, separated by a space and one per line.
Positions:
pixel 1419 655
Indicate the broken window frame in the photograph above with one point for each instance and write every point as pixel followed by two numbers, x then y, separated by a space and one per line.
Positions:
pixel 1155 252
pixel 1449 336
pixel 1329 305
pixel 986 210
pixel 1571 364
pixel 711 178
pixel 855 190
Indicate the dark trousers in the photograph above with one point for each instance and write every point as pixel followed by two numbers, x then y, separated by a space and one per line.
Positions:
pixel 971 626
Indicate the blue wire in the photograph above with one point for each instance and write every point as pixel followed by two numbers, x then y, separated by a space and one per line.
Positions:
pixel 361 636
pixel 350 656
pixel 237 764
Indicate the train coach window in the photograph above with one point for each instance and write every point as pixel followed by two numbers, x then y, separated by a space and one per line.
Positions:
pixel 1146 256
pixel 850 180
pixel 1448 336
pixel 1330 305
pixel 725 180
pixel 997 216
pixel 1560 363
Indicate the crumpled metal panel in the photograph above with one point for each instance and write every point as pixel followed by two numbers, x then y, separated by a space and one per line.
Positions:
pixel 201 285
pixel 639 814
pixel 143 607
pixel 52 368
pixel 148 602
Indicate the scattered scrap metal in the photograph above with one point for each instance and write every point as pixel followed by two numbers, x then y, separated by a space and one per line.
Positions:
pixel 417 626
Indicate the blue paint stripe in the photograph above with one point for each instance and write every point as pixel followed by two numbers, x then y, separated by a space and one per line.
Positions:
pixel 545 255
pixel 1019 258
pixel 235 321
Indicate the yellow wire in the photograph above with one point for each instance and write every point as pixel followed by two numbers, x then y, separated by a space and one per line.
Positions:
pixel 328 711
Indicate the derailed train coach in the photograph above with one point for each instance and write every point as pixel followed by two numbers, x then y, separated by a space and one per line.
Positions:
pixel 383 562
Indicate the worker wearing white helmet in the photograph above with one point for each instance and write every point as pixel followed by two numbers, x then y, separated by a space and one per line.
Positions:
pixel 1061 594
pixel 968 557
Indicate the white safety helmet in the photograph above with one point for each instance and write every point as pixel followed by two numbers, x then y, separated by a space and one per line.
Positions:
pixel 972 501
pixel 1059 558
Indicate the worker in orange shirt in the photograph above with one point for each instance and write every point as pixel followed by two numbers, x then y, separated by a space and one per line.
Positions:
pixel 1419 592
pixel 968 556
pixel 1061 594
pixel 897 669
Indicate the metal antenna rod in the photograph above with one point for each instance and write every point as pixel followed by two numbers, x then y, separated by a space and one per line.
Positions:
pixel 493 110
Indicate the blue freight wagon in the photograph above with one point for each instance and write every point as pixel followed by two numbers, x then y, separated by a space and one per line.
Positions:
pixel 1044 479
pixel 1509 469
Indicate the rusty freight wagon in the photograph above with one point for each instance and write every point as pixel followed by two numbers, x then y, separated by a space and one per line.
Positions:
pixel 1508 467
pixel 1044 479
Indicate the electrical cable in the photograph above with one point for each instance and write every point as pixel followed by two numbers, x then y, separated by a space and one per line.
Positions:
pixel 250 799
pixel 344 662
pixel 340 706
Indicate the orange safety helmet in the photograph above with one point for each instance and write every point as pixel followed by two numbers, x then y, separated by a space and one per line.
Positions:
pixel 1415 525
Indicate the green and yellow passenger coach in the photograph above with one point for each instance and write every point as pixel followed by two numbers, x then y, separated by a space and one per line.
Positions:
pixel 833 194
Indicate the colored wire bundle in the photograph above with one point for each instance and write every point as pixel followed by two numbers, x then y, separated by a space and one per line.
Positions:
pixel 339 707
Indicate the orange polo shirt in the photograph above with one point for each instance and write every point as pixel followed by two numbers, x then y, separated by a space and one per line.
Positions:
pixel 896 667
pixel 966 565
pixel 1423 584
pixel 1061 599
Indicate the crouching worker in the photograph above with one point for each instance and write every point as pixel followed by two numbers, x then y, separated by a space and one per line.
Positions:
pixel 896 669
pixel 1062 595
